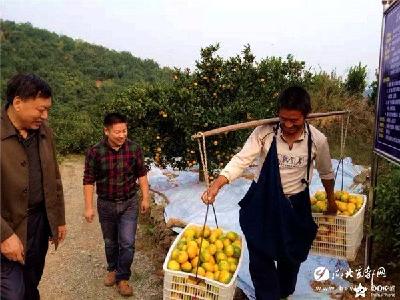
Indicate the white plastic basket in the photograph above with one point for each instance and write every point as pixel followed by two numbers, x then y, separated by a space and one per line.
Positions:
pixel 339 236
pixel 179 285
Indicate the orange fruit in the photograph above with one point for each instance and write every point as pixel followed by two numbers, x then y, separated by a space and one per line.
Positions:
pixel 205 256
pixel 195 261
pixel 173 265
pixel 210 275
pixel 175 254
pixel 186 266
pixel 229 250
pixel 232 236
pixel 223 265
pixel 219 244
pixel 192 251
pixel 189 233
pixel 226 242
pixel 182 257
pixel 224 277
pixel 236 251
pixel 220 256
pixel 212 249
pixel 208 267
pixel 232 267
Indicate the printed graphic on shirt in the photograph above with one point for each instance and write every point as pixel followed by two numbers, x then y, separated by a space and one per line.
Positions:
pixel 292 161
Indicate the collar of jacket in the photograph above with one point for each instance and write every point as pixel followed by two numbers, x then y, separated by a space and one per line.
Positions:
pixel 8 129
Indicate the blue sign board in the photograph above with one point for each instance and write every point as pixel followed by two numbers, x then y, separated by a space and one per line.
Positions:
pixel 387 130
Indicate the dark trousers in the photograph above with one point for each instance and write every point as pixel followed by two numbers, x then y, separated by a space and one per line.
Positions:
pixel 272 282
pixel 118 222
pixel 21 281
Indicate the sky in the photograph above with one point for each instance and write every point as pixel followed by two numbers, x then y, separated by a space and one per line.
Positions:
pixel 327 35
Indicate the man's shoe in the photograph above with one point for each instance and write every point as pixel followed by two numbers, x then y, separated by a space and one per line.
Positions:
pixel 124 288
pixel 109 280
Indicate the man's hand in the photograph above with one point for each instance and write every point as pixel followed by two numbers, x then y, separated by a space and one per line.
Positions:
pixel 209 195
pixel 13 249
pixel 62 232
pixel 89 215
pixel 144 206
pixel 329 185
pixel 332 208
pixel 88 196
pixel 144 189
pixel 60 237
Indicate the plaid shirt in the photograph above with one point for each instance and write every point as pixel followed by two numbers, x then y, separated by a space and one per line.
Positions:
pixel 114 171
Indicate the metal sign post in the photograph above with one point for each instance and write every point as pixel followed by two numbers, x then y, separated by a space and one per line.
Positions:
pixel 387 116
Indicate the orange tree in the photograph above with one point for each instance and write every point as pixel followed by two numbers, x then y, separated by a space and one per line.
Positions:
pixel 218 92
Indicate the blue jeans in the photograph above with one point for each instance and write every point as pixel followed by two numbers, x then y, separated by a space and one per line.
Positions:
pixel 118 222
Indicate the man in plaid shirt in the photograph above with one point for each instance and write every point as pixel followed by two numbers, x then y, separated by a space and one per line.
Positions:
pixel 116 164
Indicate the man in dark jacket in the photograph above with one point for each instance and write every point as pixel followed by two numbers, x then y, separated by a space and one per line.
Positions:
pixel 32 201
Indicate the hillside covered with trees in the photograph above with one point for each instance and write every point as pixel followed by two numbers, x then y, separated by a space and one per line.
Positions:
pixel 83 76
pixel 58 57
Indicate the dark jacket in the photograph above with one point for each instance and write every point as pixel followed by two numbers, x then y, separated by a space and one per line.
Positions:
pixel 15 181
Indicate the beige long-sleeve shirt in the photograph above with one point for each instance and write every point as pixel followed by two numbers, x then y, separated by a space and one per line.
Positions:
pixel 292 162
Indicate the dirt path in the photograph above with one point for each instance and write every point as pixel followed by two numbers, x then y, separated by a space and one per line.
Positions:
pixel 76 269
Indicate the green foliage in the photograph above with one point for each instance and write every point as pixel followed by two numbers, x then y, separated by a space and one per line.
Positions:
pixel 219 92
pixel 373 97
pixel 328 93
pixel 74 132
pixel 356 80
pixel 83 77
pixel 386 228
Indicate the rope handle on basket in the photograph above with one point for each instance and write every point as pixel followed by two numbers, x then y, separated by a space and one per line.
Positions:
pixel 203 157
pixel 343 137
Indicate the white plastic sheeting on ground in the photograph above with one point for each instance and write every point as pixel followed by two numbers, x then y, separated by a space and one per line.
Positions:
pixel 183 191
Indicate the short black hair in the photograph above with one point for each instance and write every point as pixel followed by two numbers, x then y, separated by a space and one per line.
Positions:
pixel 295 98
pixel 26 86
pixel 114 118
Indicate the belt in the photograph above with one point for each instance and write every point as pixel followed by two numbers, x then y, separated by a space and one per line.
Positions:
pixel 114 199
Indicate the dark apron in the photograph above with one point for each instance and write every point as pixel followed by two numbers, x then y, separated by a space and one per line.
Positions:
pixel 274 225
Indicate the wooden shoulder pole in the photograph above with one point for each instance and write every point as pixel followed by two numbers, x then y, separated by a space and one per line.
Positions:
pixel 256 123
